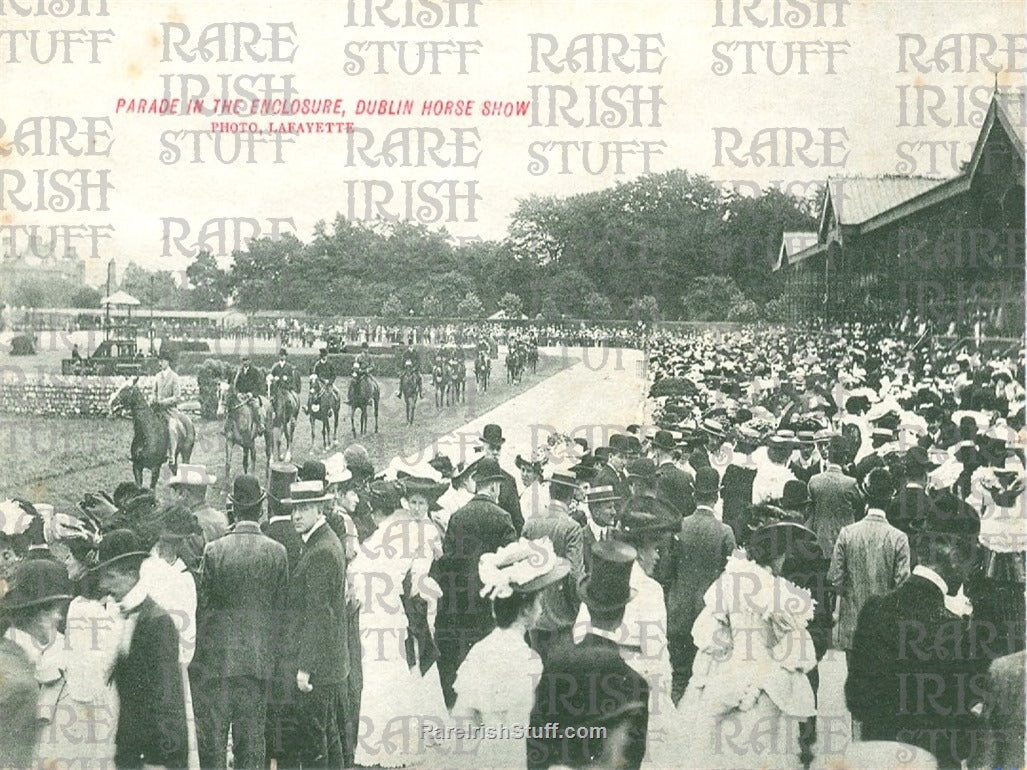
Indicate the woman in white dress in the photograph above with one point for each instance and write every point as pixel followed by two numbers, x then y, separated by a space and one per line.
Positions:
pixel 495 684
pixel 389 578
pixel 92 633
pixel 749 691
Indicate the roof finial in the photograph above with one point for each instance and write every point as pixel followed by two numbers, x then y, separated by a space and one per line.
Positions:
pixel 996 81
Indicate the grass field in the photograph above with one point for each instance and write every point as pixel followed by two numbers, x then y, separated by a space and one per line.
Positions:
pixel 57 460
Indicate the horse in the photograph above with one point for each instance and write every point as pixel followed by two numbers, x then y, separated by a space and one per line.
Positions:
pixel 150 438
pixel 514 362
pixel 482 371
pixel 457 380
pixel 438 380
pixel 240 429
pixel 362 391
pixel 533 358
pixel 285 409
pixel 410 391
pixel 324 406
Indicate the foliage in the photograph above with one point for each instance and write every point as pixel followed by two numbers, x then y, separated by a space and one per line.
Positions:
pixel 511 304
pixel 710 298
pixel 777 310
pixel 210 373
pixel 744 311
pixel 392 308
pixel 431 307
pixel 470 306
pixel 209 284
pixel 597 306
pixel 86 297
pixel 645 309
pixel 160 289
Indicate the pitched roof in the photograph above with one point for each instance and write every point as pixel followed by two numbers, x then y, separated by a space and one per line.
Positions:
pixel 1012 107
pixel 855 199
pixel 793 242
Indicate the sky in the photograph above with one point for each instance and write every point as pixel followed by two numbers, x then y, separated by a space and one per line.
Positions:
pixel 853 99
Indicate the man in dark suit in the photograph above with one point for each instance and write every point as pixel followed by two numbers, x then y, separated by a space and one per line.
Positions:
pixel 738 480
pixel 673 485
pixel 1003 713
pixel 279 526
pixel 589 684
pixel 613 473
pixel 318 637
pixel 599 519
pixel 699 553
pixel 835 496
pixel 908 511
pixel 151 717
pixel 463 617
pixel 914 674
pixel 244 580
pixel 509 500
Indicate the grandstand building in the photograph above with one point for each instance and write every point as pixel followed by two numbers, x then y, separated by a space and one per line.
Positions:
pixel 947 250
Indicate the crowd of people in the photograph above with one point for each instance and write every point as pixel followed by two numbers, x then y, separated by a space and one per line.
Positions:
pixel 662 598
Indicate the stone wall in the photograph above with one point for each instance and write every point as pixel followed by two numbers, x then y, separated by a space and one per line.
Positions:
pixel 71 396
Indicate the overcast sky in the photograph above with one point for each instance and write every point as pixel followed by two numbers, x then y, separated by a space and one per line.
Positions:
pixel 314 182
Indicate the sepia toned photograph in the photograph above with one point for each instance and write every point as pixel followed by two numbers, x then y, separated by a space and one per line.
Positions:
pixel 513 384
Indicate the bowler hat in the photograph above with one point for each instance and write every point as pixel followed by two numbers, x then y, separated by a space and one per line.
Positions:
pixel 707 481
pixel 37 582
pixel 608 585
pixel 313 470
pixel 282 352
pixel 664 440
pixel 642 468
pixel 631 446
pixel 487 470
pixel 617 443
pixel 918 460
pixel 492 435
pixel 795 494
pixel 119 545
pixel 301 492
pixel 246 492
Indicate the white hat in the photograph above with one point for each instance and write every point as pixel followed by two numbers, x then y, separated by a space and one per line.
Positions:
pixel 192 476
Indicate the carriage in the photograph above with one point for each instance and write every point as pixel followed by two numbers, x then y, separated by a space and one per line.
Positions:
pixel 118 356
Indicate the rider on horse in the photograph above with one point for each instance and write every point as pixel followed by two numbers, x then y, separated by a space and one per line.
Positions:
pixel 324 375
pixel 167 394
pixel 248 380
pixel 284 374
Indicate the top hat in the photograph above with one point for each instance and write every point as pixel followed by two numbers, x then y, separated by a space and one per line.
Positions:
pixel 795 495
pixel 37 582
pixel 192 476
pixel 246 492
pixel 301 492
pixel 119 545
pixel 608 585
pixel 282 477
pixel 486 470
pixel 492 435
pixel 707 481
pixel 664 440
pixel 313 470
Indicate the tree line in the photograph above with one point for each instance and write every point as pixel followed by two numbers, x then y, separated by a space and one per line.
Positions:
pixel 673 245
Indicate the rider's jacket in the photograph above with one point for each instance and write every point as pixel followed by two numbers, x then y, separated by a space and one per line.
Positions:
pixel 166 389
pixel 323 370
pixel 284 373
pixel 249 381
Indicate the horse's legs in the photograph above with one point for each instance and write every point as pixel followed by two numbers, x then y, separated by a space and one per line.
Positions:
pixel 154 475
pixel 376 415
pixel 137 473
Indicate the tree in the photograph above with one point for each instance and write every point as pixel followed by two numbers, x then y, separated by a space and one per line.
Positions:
pixel 710 298
pixel 431 307
pixel 745 311
pixel 392 308
pixel 160 289
pixel 645 309
pixel 86 297
pixel 470 306
pixel 511 305
pixel 209 284
pixel 596 306
pixel 29 293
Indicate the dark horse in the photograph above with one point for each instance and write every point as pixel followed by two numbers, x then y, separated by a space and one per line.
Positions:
pixel 362 391
pixel 240 429
pixel 514 364
pixel 324 406
pixel 533 357
pixel 410 391
pixel 482 371
pixel 438 380
pixel 457 375
pixel 285 408
pixel 150 439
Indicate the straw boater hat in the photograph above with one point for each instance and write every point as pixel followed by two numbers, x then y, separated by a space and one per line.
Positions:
pixel 303 492
pixel 192 476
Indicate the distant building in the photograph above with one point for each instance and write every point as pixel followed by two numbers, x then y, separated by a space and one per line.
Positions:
pixel 36 265
pixel 947 250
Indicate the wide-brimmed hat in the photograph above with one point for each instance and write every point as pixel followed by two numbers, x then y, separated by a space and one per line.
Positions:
pixel 301 492
pixel 795 494
pixel 192 476
pixel 37 582
pixel 386 495
pixel 246 491
pixel 117 547
pixel 523 566
pixel 608 585
pixel 486 470
pixel 492 435
pixel 533 463
pixel 426 488
pixel 443 465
